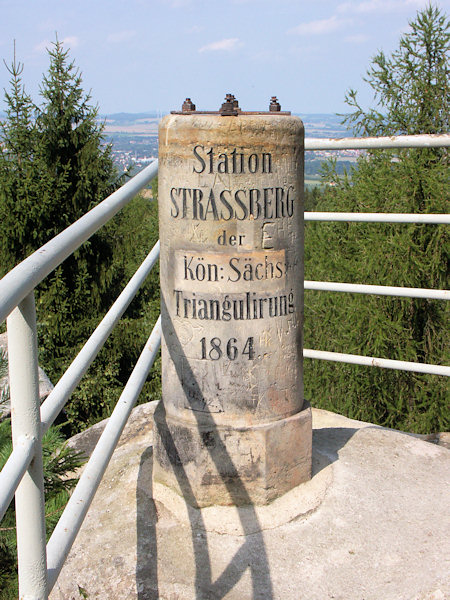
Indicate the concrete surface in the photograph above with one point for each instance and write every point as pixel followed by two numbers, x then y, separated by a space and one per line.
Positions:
pixel 372 524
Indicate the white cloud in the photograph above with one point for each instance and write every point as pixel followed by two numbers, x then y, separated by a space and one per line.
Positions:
pixel 319 27
pixel 71 41
pixel 380 6
pixel 358 38
pixel 42 46
pixel 226 45
pixel 120 36
pixel 195 29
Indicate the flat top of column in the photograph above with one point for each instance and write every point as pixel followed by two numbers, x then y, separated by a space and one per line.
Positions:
pixel 230 108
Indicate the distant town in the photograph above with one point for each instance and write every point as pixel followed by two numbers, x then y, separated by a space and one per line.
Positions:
pixel 134 140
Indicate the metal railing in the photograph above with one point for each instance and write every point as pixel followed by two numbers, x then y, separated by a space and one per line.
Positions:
pixel 380 143
pixel 22 475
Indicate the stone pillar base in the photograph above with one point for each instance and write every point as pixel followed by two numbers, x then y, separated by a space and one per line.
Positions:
pixel 216 465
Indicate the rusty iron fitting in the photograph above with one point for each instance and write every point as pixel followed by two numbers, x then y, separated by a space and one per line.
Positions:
pixel 188 105
pixel 230 107
pixel 274 106
pixel 235 102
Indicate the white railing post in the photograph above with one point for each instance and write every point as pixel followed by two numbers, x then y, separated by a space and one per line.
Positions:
pixel 26 422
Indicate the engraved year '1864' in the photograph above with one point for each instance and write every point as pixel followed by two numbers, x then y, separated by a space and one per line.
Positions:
pixel 214 350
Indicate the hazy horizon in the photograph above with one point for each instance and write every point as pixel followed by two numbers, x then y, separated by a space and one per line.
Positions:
pixel 158 52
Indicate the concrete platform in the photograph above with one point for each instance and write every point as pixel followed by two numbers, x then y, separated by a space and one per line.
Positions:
pixel 372 524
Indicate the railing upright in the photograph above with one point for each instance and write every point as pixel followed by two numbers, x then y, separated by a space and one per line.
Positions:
pixel 72 518
pixel 26 423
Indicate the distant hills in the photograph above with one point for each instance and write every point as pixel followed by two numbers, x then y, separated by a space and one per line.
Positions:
pixel 124 118
pixel 316 125
pixel 324 125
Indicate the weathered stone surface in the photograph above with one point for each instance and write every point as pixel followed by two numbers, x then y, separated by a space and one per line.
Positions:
pixel 230 193
pixel 232 465
pixel 373 523
pixel 139 424
pixel 217 257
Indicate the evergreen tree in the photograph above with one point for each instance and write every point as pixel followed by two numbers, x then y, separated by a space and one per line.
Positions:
pixel 53 169
pixel 411 86
pixel 76 172
pixel 411 90
pixel 19 180
pixel 78 166
pixel 60 462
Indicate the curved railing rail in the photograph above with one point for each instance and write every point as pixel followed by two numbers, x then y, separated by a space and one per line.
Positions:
pixel 22 280
pixel 39 566
pixel 378 143
pixel 23 472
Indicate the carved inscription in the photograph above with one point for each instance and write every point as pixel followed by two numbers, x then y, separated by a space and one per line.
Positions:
pixel 199 204
pixel 228 272
pixel 233 307
pixel 234 162
pixel 238 268
pixel 234 290
pixel 214 351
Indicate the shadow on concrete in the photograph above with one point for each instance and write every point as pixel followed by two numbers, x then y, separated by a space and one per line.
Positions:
pixel 326 444
pixel 146 544
pixel 252 554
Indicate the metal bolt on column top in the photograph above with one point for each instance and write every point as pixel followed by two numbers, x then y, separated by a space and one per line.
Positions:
pixel 274 106
pixel 188 105
pixel 235 102
pixel 230 106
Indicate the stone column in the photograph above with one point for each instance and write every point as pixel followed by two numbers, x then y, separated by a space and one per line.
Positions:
pixel 233 427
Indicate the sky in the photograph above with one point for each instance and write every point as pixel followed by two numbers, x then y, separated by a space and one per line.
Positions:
pixel 145 55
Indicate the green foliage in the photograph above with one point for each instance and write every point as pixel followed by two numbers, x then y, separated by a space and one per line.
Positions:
pixel 411 86
pixel 135 233
pixel 60 462
pixel 83 593
pixel 387 254
pixel 312 198
pixel 53 169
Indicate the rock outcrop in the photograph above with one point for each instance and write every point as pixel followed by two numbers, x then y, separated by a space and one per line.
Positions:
pixel 373 523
